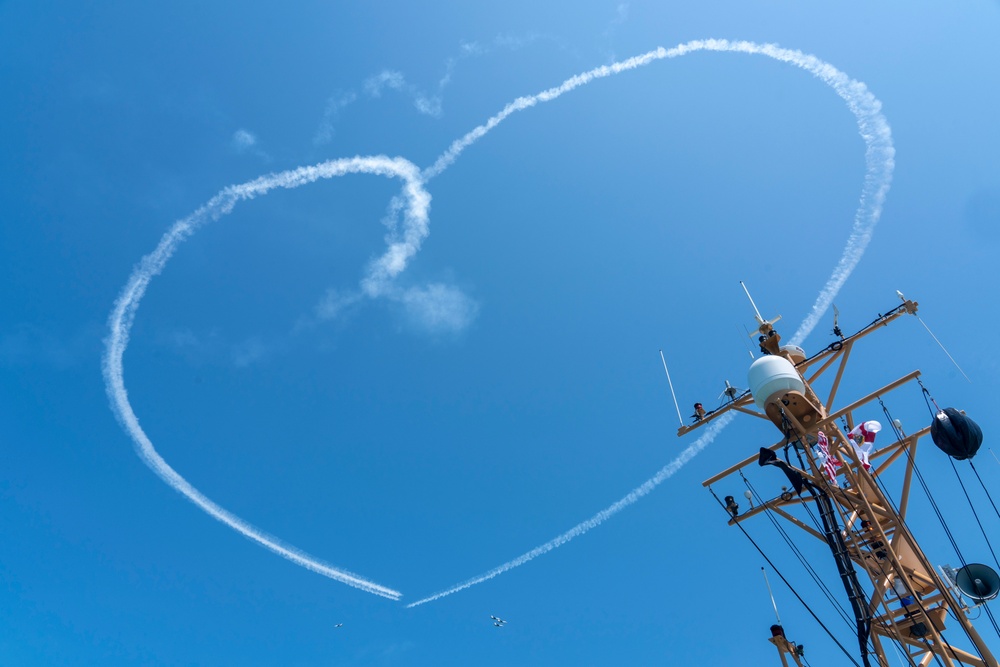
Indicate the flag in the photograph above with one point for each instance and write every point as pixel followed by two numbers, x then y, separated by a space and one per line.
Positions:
pixel 863 440
pixel 826 461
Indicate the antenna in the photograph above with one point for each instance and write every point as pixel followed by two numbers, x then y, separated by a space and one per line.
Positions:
pixel 768 584
pixel 749 351
pixel 678 407
pixel 943 348
pixel 730 392
pixel 949 580
pixel 900 294
pixel 922 633
pixel 760 320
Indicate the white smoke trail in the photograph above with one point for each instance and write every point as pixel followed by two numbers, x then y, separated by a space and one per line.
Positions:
pixel 879 157
pixel 377 282
pixel 665 473
pixel 872 125
pixel 120 323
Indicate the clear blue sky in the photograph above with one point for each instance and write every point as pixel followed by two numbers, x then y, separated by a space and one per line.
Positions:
pixel 421 442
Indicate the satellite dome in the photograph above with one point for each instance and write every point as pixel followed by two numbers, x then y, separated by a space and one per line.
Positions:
pixel 797 354
pixel 772 375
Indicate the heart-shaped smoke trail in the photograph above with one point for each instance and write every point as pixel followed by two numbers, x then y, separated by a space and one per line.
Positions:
pixel 402 247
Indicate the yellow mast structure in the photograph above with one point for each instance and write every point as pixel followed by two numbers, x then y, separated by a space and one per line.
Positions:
pixel 909 601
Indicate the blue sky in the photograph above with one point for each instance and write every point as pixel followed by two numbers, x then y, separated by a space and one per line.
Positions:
pixel 508 386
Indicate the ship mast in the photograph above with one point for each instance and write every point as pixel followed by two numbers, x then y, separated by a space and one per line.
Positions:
pixel 908 601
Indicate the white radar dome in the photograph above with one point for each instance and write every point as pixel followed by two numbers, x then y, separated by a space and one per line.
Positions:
pixel 797 354
pixel 772 375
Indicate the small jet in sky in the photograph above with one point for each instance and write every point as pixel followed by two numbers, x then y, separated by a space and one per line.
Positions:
pixel 339 625
pixel 498 622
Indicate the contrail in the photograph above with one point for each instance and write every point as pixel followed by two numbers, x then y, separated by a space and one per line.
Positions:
pixel 402 247
pixel 879 158
pixel 122 316
pixel 872 125
pixel 665 473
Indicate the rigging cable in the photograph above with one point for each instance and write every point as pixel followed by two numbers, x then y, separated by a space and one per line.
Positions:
pixel 973 466
pixel 943 348
pixel 794 592
pixel 928 399
pixel 799 653
pixel 883 623
pixel 937 511
pixel 831 598
pixel 838 345
pixel 788 431
pixel 920 477
pixel 974 512
pixel 863 618
pixel 808 567
pixel 845 567
pixel 890 633
pixel 989 613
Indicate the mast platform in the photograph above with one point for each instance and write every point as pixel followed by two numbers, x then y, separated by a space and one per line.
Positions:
pixel 906 601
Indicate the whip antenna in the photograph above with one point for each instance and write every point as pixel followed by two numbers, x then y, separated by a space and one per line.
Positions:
pixel 664 360
pixel 937 341
pixel 749 335
pixel 759 318
pixel 943 348
pixel 767 583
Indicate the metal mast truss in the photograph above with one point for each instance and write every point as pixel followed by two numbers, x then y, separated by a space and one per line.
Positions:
pixel 910 601
pixel 785 648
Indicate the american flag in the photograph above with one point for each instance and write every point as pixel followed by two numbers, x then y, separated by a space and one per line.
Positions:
pixel 829 463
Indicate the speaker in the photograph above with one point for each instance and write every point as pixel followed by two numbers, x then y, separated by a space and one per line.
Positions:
pixel 978 582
